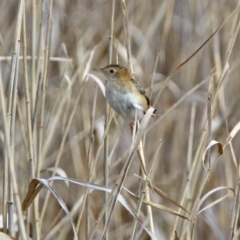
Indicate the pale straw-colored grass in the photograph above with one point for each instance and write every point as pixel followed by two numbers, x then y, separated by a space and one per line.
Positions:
pixel 78 174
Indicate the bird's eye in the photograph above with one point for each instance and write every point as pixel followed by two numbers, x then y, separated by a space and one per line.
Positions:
pixel 111 71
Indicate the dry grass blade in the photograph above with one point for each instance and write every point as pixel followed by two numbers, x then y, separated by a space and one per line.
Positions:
pixel 211 144
pixel 58 171
pixel 235 213
pixel 54 59
pixel 216 201
pixel 193 54
pixel 232 134
pixel 208 194
pixel 33 191
pixel 208 39
pixel 166 209
pixel 99 83
pixel 37 184
pixel 4 236
pixel 168 198
pixel 162 194
pixel 176 236
pixel 175 105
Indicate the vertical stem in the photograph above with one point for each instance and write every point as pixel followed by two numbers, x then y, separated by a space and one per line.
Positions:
pixel 45 72
pixel 209 120
pixel 33 48
pixel 144 192
pixel 153 76
pixel 90 158
pixel 31 162
pixel 47 13
pixel 126 31
pixel 190 146
pixel 105 148
pixel 11 164
pixel 5 182
pixel 8 122
pixel 110 43
pixel 12 141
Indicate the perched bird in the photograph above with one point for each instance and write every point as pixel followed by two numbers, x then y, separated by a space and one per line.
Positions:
pixel 124 94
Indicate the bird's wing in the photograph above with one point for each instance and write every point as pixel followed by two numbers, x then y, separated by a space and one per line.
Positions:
pixel 140 89
pixel 138 86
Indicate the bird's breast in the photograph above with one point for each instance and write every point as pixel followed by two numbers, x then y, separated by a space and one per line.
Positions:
pixel 125 103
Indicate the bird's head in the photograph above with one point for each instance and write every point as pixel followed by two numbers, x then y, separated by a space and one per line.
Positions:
pixel 115 72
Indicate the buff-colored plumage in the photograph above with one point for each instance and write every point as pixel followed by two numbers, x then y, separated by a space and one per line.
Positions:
pixel 123 93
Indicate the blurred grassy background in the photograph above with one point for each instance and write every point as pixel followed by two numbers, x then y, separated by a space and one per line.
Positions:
pixel 79 35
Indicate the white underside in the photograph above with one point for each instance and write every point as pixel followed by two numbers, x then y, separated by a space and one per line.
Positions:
pixel 123 103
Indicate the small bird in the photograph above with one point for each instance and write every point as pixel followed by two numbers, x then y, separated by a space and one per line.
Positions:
pixel 124 94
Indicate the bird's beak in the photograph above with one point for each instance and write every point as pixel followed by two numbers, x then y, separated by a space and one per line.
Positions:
pixel 98 69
